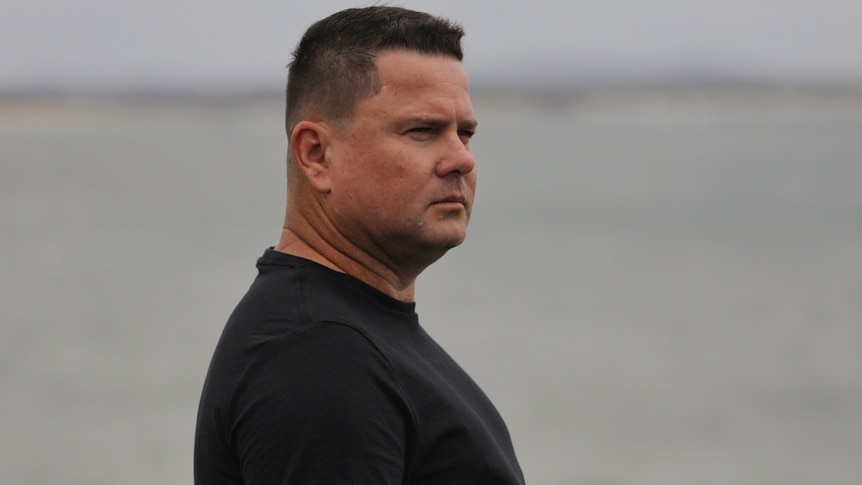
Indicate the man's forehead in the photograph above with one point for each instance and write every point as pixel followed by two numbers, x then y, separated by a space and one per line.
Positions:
pixel 393 62
pixel 425 107
pixel 408 73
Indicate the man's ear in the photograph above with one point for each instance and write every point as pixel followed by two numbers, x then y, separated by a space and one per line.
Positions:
pixel 309 142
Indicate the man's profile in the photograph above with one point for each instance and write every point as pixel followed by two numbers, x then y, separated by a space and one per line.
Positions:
pixel 323 374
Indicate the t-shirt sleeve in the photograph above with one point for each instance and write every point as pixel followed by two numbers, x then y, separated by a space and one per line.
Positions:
pixel 321 405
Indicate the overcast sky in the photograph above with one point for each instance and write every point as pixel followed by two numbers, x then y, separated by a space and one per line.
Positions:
pixel 218 45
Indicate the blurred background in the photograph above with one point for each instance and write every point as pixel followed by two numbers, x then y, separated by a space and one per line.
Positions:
pixel 662 284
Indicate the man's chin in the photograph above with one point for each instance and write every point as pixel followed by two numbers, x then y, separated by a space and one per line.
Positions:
pixel 446 243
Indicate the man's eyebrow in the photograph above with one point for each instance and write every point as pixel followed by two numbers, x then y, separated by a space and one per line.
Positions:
pixel 468 125
pixel 424 120
pixel 438 122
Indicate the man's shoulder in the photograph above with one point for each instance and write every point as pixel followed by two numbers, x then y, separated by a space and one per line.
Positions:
pixel 334 340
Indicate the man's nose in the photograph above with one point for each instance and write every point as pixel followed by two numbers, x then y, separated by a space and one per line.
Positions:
pixel 457 159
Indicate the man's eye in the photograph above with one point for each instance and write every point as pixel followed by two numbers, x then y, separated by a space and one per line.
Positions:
pixel 421 133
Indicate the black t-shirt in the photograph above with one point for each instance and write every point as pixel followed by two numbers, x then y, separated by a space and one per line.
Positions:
pixel 319 378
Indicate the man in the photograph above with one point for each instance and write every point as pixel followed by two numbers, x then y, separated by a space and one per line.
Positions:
pixel 323 374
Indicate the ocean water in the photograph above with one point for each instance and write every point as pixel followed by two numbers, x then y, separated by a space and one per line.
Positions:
pixel 657 288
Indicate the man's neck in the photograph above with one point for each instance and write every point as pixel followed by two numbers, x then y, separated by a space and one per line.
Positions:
pixel 308 244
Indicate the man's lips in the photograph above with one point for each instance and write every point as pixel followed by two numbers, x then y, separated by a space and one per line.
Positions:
pixel 451 200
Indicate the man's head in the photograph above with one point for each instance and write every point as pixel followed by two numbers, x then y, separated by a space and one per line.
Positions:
pixel 381 175
pixel 333 65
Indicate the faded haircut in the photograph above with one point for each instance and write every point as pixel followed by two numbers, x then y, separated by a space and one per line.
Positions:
pixel 333 65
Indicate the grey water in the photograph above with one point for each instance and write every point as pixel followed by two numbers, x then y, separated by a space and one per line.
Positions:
pixel 657 287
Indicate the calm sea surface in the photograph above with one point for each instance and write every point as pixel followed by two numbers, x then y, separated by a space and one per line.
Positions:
pixel 657 288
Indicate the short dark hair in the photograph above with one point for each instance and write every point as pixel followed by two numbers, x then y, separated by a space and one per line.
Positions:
pixel 333 65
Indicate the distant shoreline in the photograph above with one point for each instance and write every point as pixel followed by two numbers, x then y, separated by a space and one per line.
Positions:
pixel 94 111
pixel 727 89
